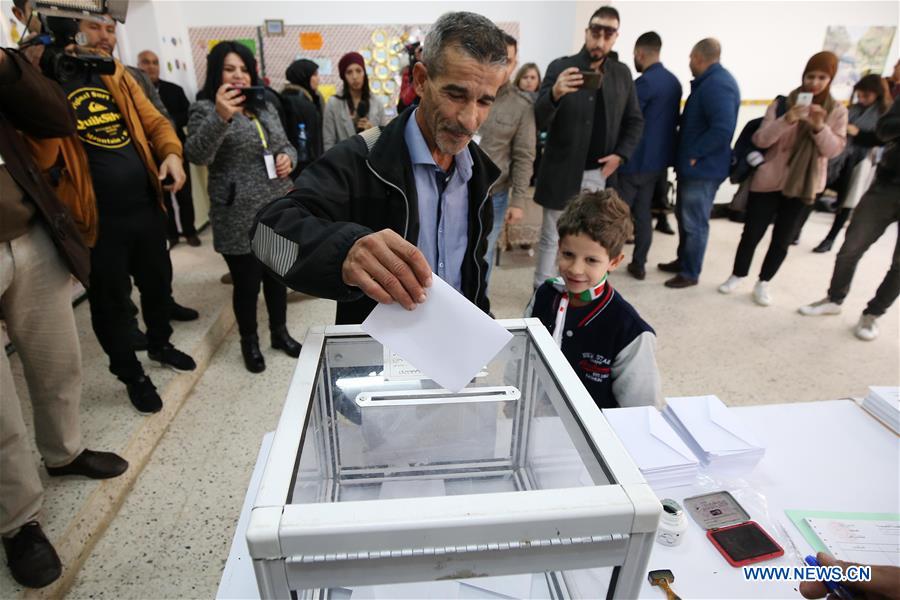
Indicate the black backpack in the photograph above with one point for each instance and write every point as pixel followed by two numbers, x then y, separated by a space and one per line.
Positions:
pixel 740 169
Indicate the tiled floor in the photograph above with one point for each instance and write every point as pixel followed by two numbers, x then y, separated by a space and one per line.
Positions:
pixel 171 537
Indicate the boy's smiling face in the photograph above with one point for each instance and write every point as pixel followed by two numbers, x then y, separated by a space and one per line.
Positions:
pixel 584 262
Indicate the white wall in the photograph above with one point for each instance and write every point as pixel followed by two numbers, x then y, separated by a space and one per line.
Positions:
pixel 765 45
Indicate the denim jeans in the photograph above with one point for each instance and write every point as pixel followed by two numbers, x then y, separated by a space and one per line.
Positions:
pixel 692 208
pixel 501 202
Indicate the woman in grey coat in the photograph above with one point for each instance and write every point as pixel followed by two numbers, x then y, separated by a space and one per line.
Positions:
pixel 250 161
pixel 355 109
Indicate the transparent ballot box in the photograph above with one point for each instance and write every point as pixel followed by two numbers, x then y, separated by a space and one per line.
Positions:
pixel 381 485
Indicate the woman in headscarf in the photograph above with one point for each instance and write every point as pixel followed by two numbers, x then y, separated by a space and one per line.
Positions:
pixel 304 106
pixel 354 110
pixel 798 145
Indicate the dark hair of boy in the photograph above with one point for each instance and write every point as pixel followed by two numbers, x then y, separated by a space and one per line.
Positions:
pixel 606 12
pixel 602 216
pixel 649 41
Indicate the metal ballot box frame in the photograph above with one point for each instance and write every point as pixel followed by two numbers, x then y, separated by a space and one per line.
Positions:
pixel 374 481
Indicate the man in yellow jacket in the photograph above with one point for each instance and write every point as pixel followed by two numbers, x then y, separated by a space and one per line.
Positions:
pixel 124 137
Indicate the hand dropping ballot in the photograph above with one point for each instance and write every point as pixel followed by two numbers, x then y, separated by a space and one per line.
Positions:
pixel 447 337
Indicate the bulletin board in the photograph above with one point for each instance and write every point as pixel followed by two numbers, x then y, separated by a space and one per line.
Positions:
pixel 381 46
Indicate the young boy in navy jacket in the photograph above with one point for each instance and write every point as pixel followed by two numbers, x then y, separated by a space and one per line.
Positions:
pixel 611 348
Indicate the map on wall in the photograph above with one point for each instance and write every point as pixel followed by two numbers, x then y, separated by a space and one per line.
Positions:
pixel 861 50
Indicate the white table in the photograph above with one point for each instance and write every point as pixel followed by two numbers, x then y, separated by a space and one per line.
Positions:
pixel 819 456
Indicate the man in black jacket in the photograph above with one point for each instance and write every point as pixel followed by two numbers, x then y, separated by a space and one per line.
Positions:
pixel 371 219
pixel 591 131
pixel 175 101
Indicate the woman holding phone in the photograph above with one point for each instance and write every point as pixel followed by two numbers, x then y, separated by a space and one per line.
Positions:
pixel 250 160
pixel 798 145
pixel 354 110
pixel 873 99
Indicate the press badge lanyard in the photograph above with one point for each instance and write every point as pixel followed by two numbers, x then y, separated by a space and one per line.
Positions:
pixel 588 295
pixel 267 156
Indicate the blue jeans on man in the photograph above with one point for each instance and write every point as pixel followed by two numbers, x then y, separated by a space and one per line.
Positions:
pixel 694 202
pixel 501 203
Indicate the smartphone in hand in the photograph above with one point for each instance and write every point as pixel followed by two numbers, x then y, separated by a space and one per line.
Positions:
pixel 804 99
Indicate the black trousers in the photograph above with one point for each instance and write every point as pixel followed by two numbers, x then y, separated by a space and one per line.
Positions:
pixel 878 209
pixel 130 245
pixel 638 190
pixel 185 210
pixel 764 208
pixel 246 274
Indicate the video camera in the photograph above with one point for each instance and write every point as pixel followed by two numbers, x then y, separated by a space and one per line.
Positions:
pixel 59 31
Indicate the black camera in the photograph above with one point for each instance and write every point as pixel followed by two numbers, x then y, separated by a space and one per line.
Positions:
pixel 59 32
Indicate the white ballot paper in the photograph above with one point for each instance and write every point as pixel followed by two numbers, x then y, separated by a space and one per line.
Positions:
pixel 447 337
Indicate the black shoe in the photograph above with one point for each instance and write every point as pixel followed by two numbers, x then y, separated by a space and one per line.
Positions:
pixel 637 271
pixel 31 557
pixel 226 279
pixel 138 340
pixel 93 465
pixel 679 282
pixel 670 267
pixel 143 396
pixel 825 246
pixel 253 358
pixel 192 240
pixel 662 226
pixel 170 356
pixel 282 340
pixel 173 241
pixel 182 313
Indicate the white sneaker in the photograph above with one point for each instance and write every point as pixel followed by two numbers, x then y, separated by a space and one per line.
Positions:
pixel 730 284
pixel 867 328
pixel 823 307
pixel 761 293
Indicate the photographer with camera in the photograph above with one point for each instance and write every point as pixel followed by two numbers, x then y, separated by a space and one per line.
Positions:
pixel 124 136
pixel 40 249
pixel 237 133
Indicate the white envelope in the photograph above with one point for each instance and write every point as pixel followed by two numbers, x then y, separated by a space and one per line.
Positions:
pixel 447 337
pixel 648 438
pixel 713 426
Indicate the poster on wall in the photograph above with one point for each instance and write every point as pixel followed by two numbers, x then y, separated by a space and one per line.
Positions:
pixel 383 48
pixel 861 50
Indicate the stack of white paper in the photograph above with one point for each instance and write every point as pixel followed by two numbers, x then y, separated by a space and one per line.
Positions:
pixel 714 433
pixel 660 454
pixel 884 403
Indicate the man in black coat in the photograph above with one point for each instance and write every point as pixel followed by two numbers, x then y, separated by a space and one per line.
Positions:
pixel 177 104
pixel 591 131
pixel 379 212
